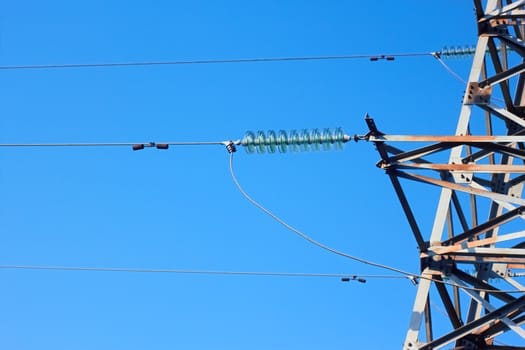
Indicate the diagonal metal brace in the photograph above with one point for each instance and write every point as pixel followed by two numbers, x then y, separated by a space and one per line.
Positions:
pixel 518 304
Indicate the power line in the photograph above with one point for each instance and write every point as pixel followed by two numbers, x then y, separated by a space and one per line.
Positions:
pixel 345 277
pixel 305 236
pixel 412 276
pixel 134 145
pixel 198 272
pixel 450 70
pixel 389 57
pixel 112 144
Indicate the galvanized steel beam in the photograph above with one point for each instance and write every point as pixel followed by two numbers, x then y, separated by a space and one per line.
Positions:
pixel 484 176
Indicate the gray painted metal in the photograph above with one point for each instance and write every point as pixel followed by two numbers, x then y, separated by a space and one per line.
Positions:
pixel 473 257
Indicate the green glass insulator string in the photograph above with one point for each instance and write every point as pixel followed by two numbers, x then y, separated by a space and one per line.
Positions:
pixel 461 52
pixel 294 140
pixel 458 51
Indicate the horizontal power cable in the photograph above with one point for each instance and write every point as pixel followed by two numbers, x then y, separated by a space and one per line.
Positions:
pixel 134 145
pixel 344 276
pixel 388 57
pixel 112 144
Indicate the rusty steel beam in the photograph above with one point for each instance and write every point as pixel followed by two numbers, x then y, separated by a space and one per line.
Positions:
pixel 489 255
pixel 486 152
pixel 460 187
pixel 500 327
pixel 518 304
pixel 486 149
pixel 457 139
pixel 482 228
pixel 470 168
pixel 472 240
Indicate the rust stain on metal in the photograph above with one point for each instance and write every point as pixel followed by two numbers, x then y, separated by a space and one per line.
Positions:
pixel 461 139
pixel 471 168
pixel 516 266
pixel 487 259
pixel 452 138
pixel 464 245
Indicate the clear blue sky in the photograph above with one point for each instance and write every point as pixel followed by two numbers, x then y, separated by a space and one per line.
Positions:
pixel 179 209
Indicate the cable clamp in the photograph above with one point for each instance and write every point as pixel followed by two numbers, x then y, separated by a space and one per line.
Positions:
pixel 140 146
pixel 353 278
pixel 230 146
pixel 414 280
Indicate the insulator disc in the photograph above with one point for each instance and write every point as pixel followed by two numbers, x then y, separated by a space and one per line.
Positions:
pixel 271 141
pixel 249 142
pixel 282 141
pixel 260 142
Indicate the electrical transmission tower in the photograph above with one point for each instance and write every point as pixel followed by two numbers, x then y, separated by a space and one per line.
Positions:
pixel 473 256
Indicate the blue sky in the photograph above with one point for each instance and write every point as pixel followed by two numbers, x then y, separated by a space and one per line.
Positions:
pixel 179 209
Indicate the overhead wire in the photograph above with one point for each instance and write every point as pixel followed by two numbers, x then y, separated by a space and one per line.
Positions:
pixel 304 235
pixel 405 274
pixel 411 276
pixel 196 272
pixel 449 70
pixel 164 145
pixel 114 144
pixel 214 61
pixel 251 200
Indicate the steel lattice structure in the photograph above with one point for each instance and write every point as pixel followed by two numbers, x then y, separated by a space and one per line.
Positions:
pixel 473 256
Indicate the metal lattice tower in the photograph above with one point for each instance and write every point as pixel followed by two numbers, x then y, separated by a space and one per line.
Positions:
pixel 473 257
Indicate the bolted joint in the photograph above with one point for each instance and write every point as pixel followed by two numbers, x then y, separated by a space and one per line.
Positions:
pixel 385 164
pixel 372 126
pixel 441 263
pixel 494 27
pixel 477 94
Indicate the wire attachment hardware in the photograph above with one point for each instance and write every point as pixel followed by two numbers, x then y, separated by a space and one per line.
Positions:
pixel 382 57
pixel 230 147
pixel 353 278
pixel 414 280
pixel 140 146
